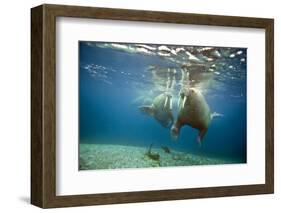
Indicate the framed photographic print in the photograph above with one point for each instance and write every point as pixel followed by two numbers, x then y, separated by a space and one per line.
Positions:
pixel 136 106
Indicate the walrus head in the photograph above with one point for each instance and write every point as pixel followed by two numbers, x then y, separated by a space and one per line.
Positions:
pixel 183 97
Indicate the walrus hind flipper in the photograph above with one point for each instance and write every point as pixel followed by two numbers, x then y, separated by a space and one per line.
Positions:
pixel 201 136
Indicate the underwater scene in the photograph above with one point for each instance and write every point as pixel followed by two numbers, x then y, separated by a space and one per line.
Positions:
pixel 156 105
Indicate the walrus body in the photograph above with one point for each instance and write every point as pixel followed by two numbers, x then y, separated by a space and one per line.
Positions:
pixel 160 109
pixel 193 111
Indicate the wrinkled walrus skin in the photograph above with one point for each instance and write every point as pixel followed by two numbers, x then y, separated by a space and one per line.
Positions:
pixel 160 109
pixel 193 111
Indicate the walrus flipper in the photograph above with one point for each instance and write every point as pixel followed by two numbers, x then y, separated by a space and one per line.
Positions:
pixel 147 110
pixel 200 136
pixel 215 114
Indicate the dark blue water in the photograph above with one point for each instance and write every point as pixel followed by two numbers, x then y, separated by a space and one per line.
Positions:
pixel 115 81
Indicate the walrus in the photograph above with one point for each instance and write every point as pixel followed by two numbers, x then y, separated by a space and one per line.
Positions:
pixel 193 111
pixel 160 109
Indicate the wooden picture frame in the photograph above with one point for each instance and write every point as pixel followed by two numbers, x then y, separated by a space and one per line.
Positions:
pixel 43 105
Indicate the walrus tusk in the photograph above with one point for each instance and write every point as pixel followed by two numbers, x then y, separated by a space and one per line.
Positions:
pixel 179 102
pixel 166 100
pixel 171 103
pixel 183 102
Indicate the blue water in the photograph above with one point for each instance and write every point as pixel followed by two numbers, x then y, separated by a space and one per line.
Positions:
pixel 114 81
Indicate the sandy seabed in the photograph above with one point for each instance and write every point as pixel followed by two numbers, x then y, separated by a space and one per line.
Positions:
pixel 106 156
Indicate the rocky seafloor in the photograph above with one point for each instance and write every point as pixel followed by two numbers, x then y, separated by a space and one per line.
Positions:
pixel 106 156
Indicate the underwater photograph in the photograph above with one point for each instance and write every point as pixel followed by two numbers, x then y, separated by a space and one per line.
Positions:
pixel 159 105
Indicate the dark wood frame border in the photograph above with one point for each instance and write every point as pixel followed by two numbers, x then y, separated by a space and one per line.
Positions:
pixel 43 105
